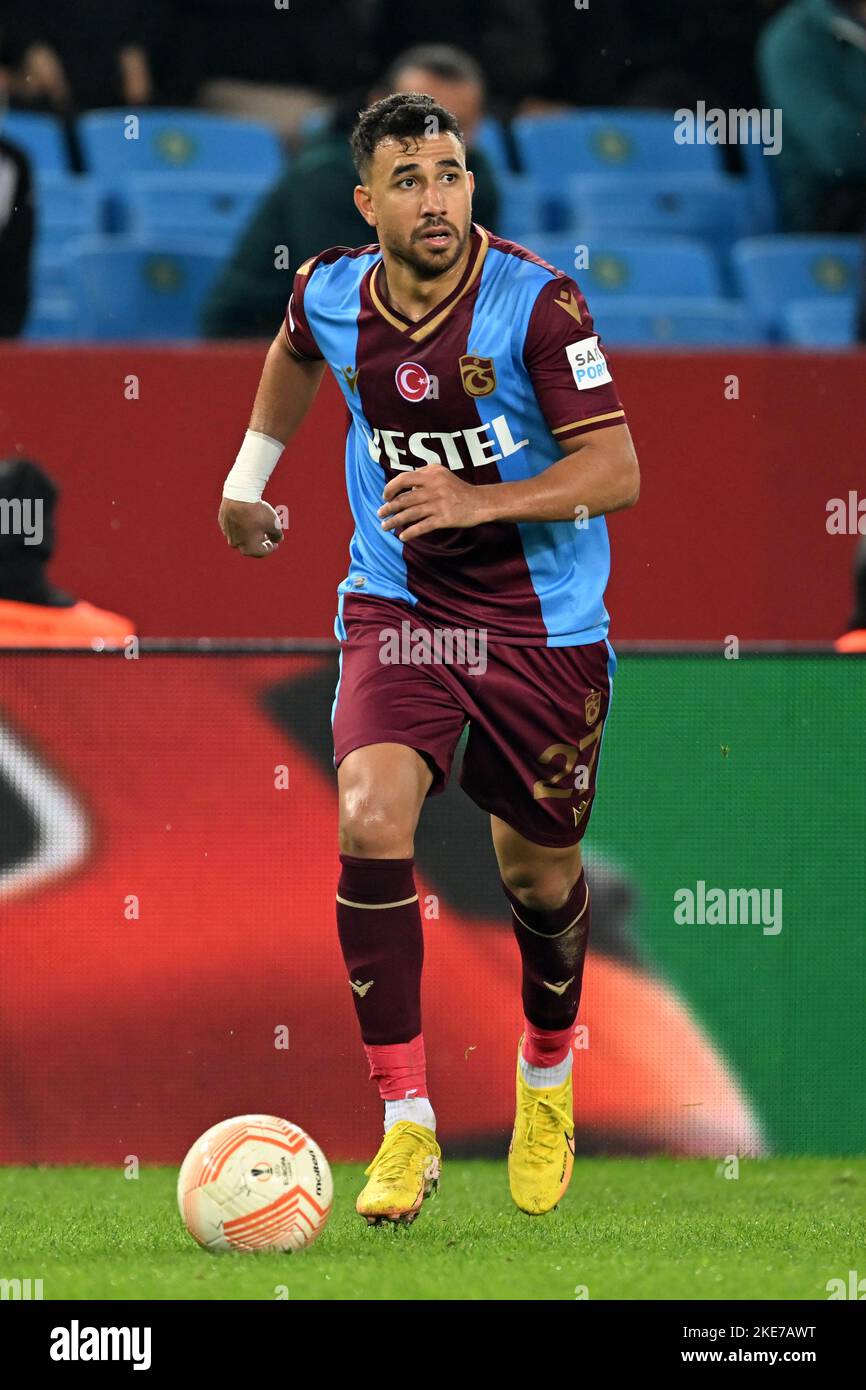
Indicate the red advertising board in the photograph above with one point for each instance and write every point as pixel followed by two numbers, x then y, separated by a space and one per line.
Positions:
pixel 741 454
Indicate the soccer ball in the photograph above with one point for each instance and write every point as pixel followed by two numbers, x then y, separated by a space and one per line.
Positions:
pixel 255 1183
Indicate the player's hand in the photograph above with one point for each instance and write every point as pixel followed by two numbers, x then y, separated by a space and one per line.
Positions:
pixel 429 499
pixel 253 528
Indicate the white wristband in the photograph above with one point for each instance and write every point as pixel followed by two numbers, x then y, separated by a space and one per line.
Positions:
pixel 256 461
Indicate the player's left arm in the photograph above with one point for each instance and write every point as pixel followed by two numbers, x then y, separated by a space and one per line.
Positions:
pixel 599 475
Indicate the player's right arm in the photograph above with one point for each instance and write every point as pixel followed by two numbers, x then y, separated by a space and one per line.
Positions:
pixel 290 378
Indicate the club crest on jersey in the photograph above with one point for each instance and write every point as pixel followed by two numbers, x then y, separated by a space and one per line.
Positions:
pixel 413 381
pixel 592 706
pixel 478 375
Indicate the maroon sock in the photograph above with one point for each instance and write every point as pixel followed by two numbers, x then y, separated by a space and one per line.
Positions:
pixel 379 925
pixel 552 948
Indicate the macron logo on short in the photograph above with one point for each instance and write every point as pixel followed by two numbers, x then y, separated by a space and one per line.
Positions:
pixel 588 365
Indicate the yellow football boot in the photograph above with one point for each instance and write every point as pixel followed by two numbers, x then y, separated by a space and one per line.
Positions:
pixel 403 1173
pixel 541 1152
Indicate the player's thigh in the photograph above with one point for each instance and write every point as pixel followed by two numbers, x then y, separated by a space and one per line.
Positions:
pixel 381 788
pixel 535 733
pixel 542 876
pixel 396 725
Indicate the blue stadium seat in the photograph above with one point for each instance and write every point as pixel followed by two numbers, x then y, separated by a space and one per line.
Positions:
pixel 774 270
pixel 821 323
pixel 662 321
pixel 553 148
pixel 40 137
pixel 213 206
pixel 137 288
pixel 490 139
pixel 67 206
pixel 51 320
pixel 50 269
pixel 760 180
pixel 176 141
pixel 714 207
pixel 52 303
pixel 634 265
pixel 520 214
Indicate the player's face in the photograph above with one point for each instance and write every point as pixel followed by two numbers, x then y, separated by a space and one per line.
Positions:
pixel 419 199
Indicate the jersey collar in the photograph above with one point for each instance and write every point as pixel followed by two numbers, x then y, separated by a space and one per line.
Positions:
pixel 419 329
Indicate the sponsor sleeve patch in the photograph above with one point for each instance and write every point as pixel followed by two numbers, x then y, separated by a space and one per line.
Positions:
pixel 588 364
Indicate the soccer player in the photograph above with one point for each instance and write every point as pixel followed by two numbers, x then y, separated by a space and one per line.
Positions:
pixel 486 442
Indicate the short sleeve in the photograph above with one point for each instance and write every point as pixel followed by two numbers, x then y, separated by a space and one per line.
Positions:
pixel 568 366
pixel 297 331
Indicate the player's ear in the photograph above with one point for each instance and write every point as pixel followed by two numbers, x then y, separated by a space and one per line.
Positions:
pixel 471 179
pixel 364 204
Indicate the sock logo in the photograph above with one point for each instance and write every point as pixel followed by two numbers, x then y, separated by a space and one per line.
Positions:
pixel 560 988
pixel 360 989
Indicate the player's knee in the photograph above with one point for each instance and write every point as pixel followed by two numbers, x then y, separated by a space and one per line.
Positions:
pixel 373 827
pixel 543 888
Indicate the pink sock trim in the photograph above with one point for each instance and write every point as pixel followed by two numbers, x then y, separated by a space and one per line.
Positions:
pixel 398 1068
pixel 544 1047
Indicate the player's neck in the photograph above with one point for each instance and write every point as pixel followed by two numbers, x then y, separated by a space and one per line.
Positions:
pixel 414 297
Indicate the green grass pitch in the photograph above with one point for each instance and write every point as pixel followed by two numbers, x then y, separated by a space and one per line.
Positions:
pixel 627 1229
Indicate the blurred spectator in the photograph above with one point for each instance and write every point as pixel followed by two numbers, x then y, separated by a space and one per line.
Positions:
pixel 16 238
pixel 253 58
pixel 854 640
pixel 507 38
pixel 310 207
pixel 33 613
pixel 68 57
pixel 812 59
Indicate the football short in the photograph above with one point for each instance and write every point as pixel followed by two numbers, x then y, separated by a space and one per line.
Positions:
pixel 536 715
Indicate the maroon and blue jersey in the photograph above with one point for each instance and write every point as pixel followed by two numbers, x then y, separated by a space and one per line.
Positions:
pixel 497 382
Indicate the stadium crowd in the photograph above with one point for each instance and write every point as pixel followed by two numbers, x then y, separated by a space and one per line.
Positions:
pixel 232 52
pixel 303 70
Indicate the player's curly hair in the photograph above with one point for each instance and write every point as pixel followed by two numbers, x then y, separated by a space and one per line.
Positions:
pixel 405 116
